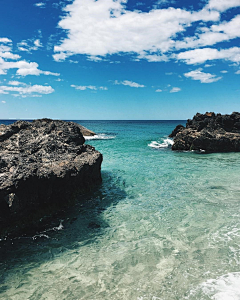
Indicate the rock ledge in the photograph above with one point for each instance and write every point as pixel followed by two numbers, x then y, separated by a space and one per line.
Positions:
pixel 209 132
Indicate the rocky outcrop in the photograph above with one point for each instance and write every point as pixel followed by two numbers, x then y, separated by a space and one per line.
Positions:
pixel 85 131
pixel 209 132
pixel 44 166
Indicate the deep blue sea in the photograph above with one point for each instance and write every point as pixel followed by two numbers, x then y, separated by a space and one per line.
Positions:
pixel 163 225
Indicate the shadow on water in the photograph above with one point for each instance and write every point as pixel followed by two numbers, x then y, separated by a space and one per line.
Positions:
pixel 82 224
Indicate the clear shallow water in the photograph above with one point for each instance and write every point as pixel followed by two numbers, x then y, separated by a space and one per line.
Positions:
pixel 163 225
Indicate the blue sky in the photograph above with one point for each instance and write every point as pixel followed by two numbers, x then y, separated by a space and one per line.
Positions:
pixel 111 59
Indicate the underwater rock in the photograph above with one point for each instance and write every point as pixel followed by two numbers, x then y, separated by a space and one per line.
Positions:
pixel 209 132
pixel 44 165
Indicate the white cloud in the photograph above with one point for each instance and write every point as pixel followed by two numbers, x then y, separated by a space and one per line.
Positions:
pixel 224 71
pixel 40 4
pixel 152 57
pixel 26 90
pixel 199 56
pixel 175 90
pixel 222 5
pixel 104 25
pixel 23 49
pixel 9 55
pixel 203 77
pixel 4 48
pixel 89 87
pixel 37 43
pixel 16 83
pixel 94 58
pixel 3 101
pixel 49 73
pixel 237 72
pixel 60 56
pixel 5 40
pixel 158 91
pixel 24 68
pixel 129 83
pixel 29 45
pixel 214 34
pixel 208 66
pixel 73 61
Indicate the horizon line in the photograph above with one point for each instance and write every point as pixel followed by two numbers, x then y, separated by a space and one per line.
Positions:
pixel 55 119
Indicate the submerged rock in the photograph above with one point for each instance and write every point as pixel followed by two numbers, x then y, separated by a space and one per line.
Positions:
pixel 44 165
pixel 209 132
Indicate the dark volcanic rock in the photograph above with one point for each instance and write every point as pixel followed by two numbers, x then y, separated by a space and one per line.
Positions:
pixel 178 129
pixel 44 165
pixel 209 132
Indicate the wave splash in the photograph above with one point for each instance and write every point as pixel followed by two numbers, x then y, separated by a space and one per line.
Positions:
pixel 167 143
pixel 100 136
pixel 225 287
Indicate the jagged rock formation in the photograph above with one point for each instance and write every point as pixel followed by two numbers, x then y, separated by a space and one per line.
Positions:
pixel 209 132
pixel 44 165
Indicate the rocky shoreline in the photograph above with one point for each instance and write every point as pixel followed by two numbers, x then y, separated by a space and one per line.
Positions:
pixel 44 166
pixel 209 132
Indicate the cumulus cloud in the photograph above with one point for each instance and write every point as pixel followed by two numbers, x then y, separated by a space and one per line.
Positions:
pixel 4 48
pixel 224 31
pixel 89 87
pixel 199 56
pixel 237 72
pixel 222 5
pixel 24 68
pixel 37 43
pixel 5 40
pixel 104 25
pixel 9 55
pixel 158 91
pixel 3 101
pixel 203 77
pixel 26 90
pixel 129 83
pixel 175 90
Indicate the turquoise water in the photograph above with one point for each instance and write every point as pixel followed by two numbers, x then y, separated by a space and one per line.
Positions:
pixel 163 225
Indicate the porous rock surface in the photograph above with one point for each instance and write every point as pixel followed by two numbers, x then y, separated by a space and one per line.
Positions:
pixel 209 132
pixel 43 166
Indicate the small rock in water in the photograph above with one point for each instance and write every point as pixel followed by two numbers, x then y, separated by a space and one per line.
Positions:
pixel 209 132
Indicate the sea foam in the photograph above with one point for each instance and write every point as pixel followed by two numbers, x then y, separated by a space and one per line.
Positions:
pixel 225 287
pixel 100 136
pixel 166 143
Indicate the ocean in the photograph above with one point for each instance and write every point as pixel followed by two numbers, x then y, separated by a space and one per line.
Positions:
pixel 163 225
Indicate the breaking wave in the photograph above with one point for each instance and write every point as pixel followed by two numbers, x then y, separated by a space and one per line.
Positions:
pixel 166 143
pixel 225 287
pixel 100 136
